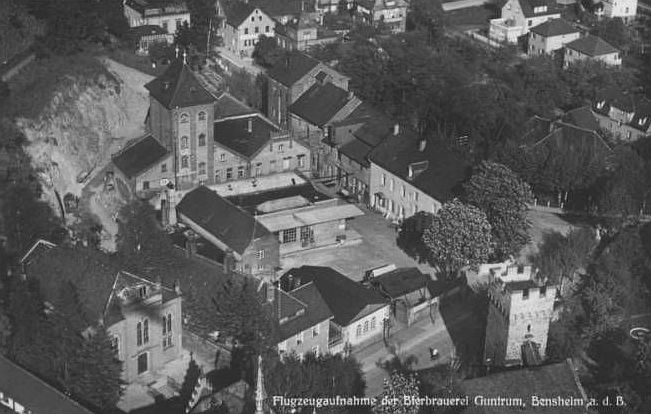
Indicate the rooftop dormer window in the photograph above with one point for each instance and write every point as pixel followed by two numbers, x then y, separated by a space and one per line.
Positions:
pixel 601 104
pixel 540 9
pixel 642 121
pixel 142 292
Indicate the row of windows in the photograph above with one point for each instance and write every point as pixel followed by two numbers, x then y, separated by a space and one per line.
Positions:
pixel 403 190
pixel 256 29
pixel 185 141
pixel 363 329
pixel 542 293
pixel 12 404
pixel 142 333
pixel 185 118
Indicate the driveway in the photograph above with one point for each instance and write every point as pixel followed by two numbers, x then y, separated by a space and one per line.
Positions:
pixel 377 248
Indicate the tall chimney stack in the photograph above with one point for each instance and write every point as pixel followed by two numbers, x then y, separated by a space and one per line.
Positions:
pixel 249 125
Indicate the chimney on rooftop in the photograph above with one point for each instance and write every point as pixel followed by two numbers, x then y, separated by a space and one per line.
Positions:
pixel 249 125
pixel 396 128
pixel 422 144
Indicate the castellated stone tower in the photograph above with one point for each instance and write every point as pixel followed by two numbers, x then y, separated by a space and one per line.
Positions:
pixel 520 310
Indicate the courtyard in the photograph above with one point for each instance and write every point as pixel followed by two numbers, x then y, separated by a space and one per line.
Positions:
pixel 377 247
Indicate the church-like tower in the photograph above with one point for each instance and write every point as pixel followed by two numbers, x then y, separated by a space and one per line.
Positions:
pixel 520 310
pixel 181 117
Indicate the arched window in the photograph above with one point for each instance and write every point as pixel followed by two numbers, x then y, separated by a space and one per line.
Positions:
pixel 184 161
pixel 184 118
pixel 202 140
pixel 202 168
pixel 201 116
pixel 359 329
pixel 184 142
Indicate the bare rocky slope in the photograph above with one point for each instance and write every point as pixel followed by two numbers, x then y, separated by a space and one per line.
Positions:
pixel 76 133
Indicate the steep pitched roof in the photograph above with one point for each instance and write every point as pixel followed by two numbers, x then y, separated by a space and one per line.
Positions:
pixel 237 11
pixel 178 87
pixel 554 27
pixel 347 299
pixel 613 97
pixel 299 309
pixel 139 156
pixel 39 247
pixel 357 151
pixel 592 46
pixel 235 135
pixel 570 137
pixel 233 226
pixel 444 173
pixel 583 118
pixel 534 8
pixel 547 381
pixel 281 8
pixel 320 103
pixel 292 67
pixel 642 116
pixel 34 394
pixel 228 106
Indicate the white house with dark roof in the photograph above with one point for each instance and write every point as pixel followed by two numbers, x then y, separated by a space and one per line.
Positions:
pixel 591 47
pixel 551 36
pixel 168 14
pixel 392 14
pixel 624 9
pixel 519 16
pixel 243 24
pixel 625 116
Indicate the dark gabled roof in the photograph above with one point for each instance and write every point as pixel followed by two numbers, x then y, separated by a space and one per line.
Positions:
pixel 357 151
pixel 375 131
pixel 139 156
pixel 347 299
pixel 547 381
pixel 233 226
pixel 280 8
pixel 251 201
pixel 444 173
pixel 520 285
pixel 307 300
pixel 613 97
pixel 401 281
pixel 292 67
pixel 642 116
pixel 554 27
pixel 568 138
pixel 320 103
pixel 228 106
pixel 237 11
pixel 165 6
pixel 592 46
pixel 234 134
pixel 147 30
pixel 583 118
pixel 32 393
pixel 38 248
pixel 528 7
pixel 178 87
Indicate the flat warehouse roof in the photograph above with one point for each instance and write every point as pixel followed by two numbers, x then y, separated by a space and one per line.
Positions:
pixel 292 219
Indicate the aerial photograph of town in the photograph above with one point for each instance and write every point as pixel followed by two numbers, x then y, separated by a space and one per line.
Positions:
pixel 325 206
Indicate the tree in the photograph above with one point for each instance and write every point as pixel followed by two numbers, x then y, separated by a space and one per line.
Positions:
pixel 459 236
pixel 18 29
pixel 504 197
pixel 396 388
pixel 192 375
pixel 267 52
pixel 314 376
pixel 615 32
pixel 410 238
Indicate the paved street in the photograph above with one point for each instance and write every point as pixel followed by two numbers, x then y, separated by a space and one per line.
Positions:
pixel 413 342
pixel 233 60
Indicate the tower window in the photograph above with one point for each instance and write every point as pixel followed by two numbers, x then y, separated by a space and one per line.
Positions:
pixel 202 140
pixel 528 328
pixel 543 291
pixel 184 118
pixel 525 294
pixel 184 142
pixel 202 168
pixel 202 116
pixel 184 161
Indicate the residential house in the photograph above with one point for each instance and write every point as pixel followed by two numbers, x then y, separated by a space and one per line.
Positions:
pixel 145 36
pixel 301 217
pixel 289 78
pixel 248 245
pixel 551 36
pixel 360 314
pixel 548 383
pixel 520 311
pixel 623 9
pixel 142 317
pixel 344 153
pixel 313 113
pixel 626 117
pixel 303 32
pixel 407 289
pixel 303 318
pixel 168 14
pixel 390 14
pixel 243 24
pixel 408 175
pixel 22 392
pixel 283 11
pixel 591 47
pixel 519 16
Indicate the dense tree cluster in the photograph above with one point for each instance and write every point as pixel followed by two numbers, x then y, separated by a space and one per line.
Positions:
pixel 396 388
pixel 458 236
pixel 18 29
pixel 314 376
